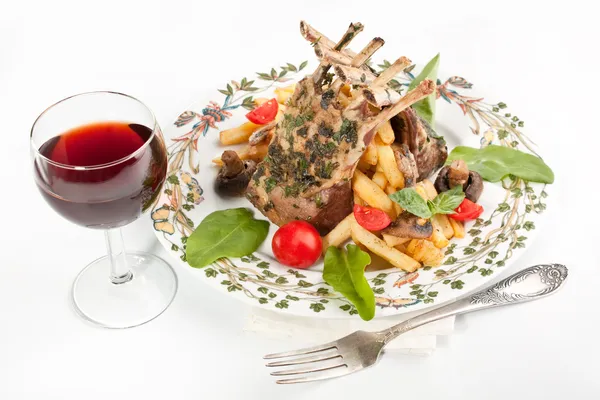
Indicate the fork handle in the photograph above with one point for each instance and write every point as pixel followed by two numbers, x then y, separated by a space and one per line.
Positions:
pixel 529 284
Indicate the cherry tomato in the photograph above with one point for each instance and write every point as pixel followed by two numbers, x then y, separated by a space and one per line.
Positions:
pixel 297 244
pixel 264 113
pixel 467 210
pixel 372 219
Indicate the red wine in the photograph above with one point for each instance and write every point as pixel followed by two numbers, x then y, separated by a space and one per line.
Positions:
pixel 101 175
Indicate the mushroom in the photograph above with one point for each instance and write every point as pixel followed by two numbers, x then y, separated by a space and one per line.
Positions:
pixel 411 226
pixel 235 174
pixel 457 173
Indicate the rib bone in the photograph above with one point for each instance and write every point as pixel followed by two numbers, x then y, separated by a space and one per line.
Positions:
pixel 354 76
pixel 423 90
pixel 381 96
pixel 393 70
pixel 312 35
pixel 350 34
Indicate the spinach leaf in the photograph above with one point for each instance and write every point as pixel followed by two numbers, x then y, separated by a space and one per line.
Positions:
pixel 494 163
pixel 345 272
pixel 425 108
pixel 446 202
pixel 411 201
pixel 225 233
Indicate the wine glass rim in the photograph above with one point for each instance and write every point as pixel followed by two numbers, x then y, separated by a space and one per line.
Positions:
pixel 97 166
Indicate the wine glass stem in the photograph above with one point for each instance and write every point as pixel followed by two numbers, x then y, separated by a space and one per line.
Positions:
pixel 119 270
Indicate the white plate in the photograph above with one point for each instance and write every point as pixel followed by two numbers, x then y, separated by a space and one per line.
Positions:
pixel 491 243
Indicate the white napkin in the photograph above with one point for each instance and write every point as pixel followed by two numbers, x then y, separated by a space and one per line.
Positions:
pixel 419 341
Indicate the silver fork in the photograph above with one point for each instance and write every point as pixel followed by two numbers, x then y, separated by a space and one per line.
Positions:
pixel 362 349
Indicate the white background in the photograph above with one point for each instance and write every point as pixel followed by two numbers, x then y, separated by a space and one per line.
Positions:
pixel 539 59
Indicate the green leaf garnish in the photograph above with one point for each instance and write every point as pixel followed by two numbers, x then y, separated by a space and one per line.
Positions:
pixel 345 272
pixel 411 201
pixel 425 108
pixel 444 203
pixel 225 233
pixel 494 163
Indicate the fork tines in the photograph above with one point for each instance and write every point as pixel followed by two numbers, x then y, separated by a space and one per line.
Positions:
pixel 325 359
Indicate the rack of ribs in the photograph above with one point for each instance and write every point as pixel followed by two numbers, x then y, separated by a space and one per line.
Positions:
pixel 316 147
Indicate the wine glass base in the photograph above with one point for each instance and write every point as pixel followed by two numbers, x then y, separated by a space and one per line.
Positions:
pixel 129 304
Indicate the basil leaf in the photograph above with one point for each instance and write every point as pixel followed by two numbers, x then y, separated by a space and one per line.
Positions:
pixel 446 202
pixel 345 272
pixel 494 163
pixel 225 233
pixel 411 201
pixel 425 108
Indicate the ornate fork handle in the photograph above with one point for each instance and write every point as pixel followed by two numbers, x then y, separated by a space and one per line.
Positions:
pixel 526 285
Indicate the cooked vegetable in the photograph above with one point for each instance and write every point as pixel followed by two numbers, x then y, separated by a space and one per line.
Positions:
pixel 370 155
pixel 426 108
pixel 226 233
pixel 345 272
pixel 494 163
pixel 372 194
pixel 408 225
pixel 297 244
pixel 234 175
pixel 386 133
pixel 339 234
pixel 457 173
pixel 371 218
pixel 239 134
pixel 394 241
pixel 458 227
pixel 389 165
pixel 443 222
pixel 379 179
pixel 378 246
pixel 264 113
pixel 467 211
pixel 414 202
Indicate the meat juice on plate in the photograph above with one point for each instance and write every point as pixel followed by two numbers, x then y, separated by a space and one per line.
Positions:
pixel 102 175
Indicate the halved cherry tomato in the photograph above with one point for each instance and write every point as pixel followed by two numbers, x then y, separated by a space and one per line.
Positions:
pixel 467 210
pixel 297 244
pixel 372 219
pixel 264 113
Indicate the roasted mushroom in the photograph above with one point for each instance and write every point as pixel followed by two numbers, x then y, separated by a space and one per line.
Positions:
pixel 235 174
pixel 408 225
pixel 457 173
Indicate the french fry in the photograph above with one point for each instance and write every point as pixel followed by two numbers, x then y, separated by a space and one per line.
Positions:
pixel 387 160
pixel 386 133
pixel 431 255
pixel 339 234
pixel 370 154
pixel 420 250
pixel 357 241
pixel 343 99
pixel 389 189
pixel 378 168
pixel 429 189
pixel 260 100
pixel 290 88
pixel 443 222
pixel 410 248
pixel 345 89
pixel 394 241
pixel 372 194
pixel 358 200
pixel 259 152
pixel 401 247
pixel 282 95
pixel 458 228
pixel 379 179
pixel 378 246
pixel 239 134
pixel 363 166
pixel 437 237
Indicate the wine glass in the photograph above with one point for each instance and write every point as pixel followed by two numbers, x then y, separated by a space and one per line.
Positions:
pixel 99 160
